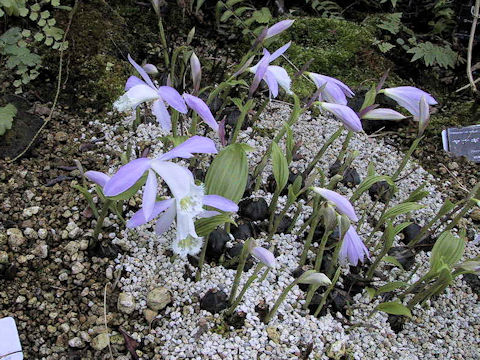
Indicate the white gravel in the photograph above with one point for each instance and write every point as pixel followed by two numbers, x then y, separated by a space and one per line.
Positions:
pixel 446 328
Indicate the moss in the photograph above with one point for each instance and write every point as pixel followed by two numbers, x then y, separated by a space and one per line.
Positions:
pixel 337 48
pixel 103 82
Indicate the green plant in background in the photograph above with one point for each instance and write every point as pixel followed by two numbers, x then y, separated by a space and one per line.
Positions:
pixel 397 35
pixel 7 113
pixel 326 9
pixel 242 15
pixel 21 47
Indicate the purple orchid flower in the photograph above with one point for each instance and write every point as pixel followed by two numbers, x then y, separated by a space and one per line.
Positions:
pixel 353 249
pixel 348 117
pixel 341 203
pixel 273 75
pixel 264 256
pixel 334 91
pixel 278 28
pixel 382 114
pixel 187 203
pixel 139 91
pixel 130 173
pixel 409 98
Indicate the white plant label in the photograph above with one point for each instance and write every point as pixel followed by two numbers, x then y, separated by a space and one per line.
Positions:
pixel 10 347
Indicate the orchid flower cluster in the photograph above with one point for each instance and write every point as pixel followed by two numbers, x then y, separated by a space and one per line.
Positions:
pixel 215 201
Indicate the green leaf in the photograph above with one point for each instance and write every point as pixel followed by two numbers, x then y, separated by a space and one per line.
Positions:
pixel 226 15
pixel 204 226
pixel 38 36
pixel 228 173
pixel 370 292
pixel 7 113
pixel 394 285
pixel 130 192
pixel 368 182
pixel 391 260
pixel 446 208
pixel 418 194
pixel 400 209
pixel 55 3
pixel 369 97
pixel 280 166
pixel 394 308
pixel 448 250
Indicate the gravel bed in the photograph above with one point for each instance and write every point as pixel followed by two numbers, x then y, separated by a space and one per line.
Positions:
pixel 446 328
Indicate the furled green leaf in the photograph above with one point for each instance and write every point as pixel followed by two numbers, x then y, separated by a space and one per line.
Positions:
pixel 400 209
pixel 280 166
pixel 369 97
pixel 7 113
pixel 204 226
pixel 391 260
pixel 394 285
pixel 227 175
pixel 394 308
pixel 448 250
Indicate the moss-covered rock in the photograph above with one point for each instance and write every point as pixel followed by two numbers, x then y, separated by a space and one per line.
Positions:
pixel 337 48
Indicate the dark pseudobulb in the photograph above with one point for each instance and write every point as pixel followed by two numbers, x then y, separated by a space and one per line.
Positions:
pixel 404 255
pixel 254 210
pixel 236 319
pixel 217 241
pixel 244 231
pixel 271 184
pixel 411 231
pixel 214 301
pixel 381 190
pixel 350 175
pixel 262 309
pixel 232 256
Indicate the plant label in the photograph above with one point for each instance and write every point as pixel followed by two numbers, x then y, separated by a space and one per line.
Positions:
pixel 10 347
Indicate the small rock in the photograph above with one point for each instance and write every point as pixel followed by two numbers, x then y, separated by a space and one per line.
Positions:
pixel 158 298
pixel 30 211
pixel 126 303
pixel 41 250
pixel 30 233
pixel 15 238
pixel 42 234
pixel 76 342
pixel 61 136
pixel 273 334
pixel 3 257
pixel 100 341
pixel 150 315
pixel 475 215
pixel 452 165
pixel 72 248
pixel 77 268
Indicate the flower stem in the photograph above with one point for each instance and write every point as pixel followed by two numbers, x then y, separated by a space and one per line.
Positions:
pixel 321 152
pixel 241 264
pixel 295 217
pixel 327 292
pixel 245 287
pixel 406 157
pixel 98 226
pixel 164 42
pixel 279 301
pixel 201 260
pixel 311 232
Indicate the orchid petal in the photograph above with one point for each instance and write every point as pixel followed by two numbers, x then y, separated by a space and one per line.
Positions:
pixel 185 225
pixel 196 71
pixel 409 98
pixel 166 219
pixel 133 81
pixel 282 77
pixel 97 177
pixel 199 106
pixel 191 245
pixel 259 71
pixel 173 98
pixel 196 144
pixel 142 72
pixel 219 202
pixel 135 96
pixel 271 82
pixel 278 28
pixel 159 110
pixel 353 249
pixel 343 205
pixel 208 213
pixel 177 177
pixel 279 52
pixel 349 118
pixel 139 217
pixel 149 194
pixel 126 177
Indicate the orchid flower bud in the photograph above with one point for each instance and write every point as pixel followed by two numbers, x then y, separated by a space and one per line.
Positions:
pixel 150 69
pixel 263 255
pixel 196 71
pixel 472 266
pixel 424 116
pixel 329 217
pixel 278 28
pixel 341 203
pixel 344 224
pixel 97 177
pixel 311 277
pixel 383 114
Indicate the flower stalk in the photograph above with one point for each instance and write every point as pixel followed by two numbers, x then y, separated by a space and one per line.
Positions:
pixel 241 264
